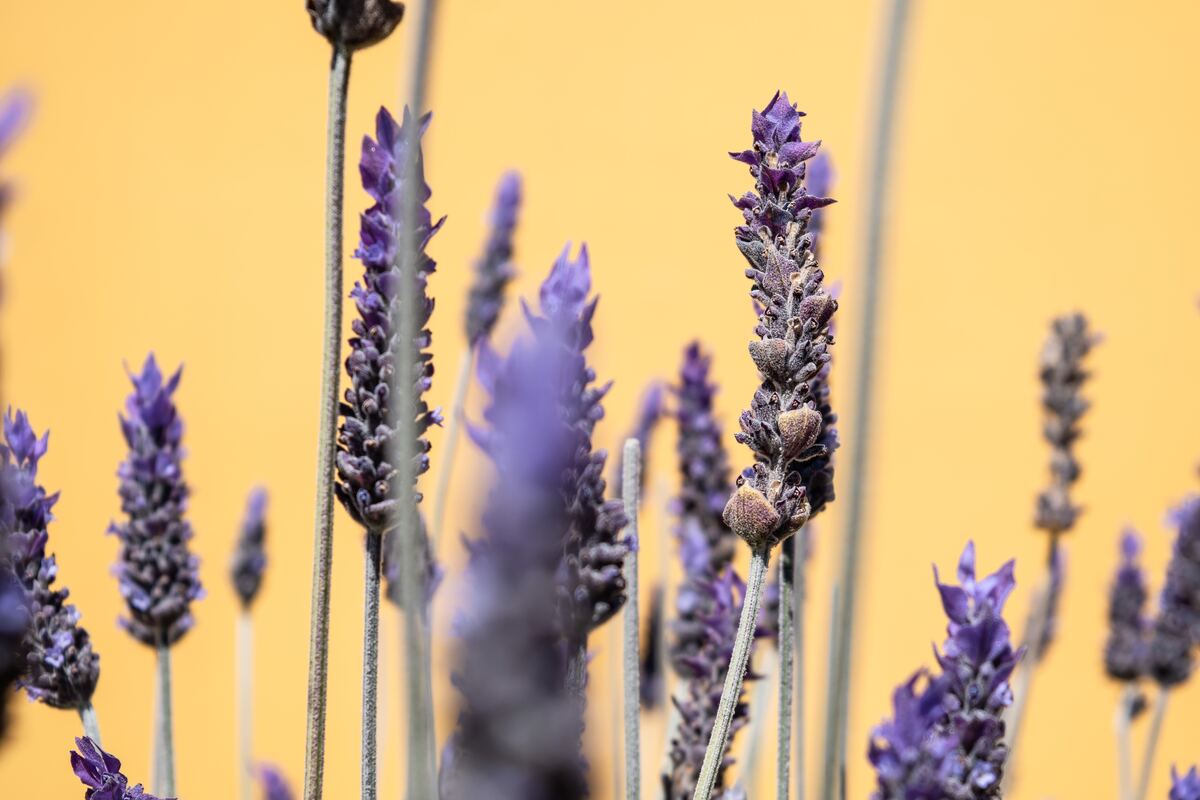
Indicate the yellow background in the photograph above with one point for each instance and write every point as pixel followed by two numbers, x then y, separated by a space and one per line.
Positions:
pixel 171 199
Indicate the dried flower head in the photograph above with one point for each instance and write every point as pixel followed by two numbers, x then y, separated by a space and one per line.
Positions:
pixel 158 574
pixel 250 557
pixel 1125 651
pixel 354 24
pixel 1177 626
pixel 60 667
pixel 773 500
pixel 494 268
pixel 1185 787
pixel 101 774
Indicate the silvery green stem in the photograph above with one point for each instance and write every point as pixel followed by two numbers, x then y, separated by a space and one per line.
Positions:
pixel 888 79
pixel 1124 749
pixel 318 641
pixel 450 444
pixel 783 752
pixel 91 726
pixel 165 736
pixel 576 681
pixel 748 767
pixel 630 481
pixel 735 675
pixel 422 759
pixel 370 664
pixel 798 597
pixel 245 701
pixel 1156 723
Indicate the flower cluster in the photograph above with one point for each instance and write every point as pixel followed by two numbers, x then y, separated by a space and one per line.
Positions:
pixel 947 741
pixel 14 622
pixel 1177 626
pixel 61 669
pixel 494 269
pixel 250 558
pixel 159 576
pixel 101 774
pixel 785 426
pixel 1125 651
pixel 1185 787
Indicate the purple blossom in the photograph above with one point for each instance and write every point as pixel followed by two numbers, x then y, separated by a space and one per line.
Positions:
pixel 274 785
pixel 101 774
pixel 61 669
pixel 788 426
pixel 250 557
pixel 159 576
pixel 1125 651
pixel 1177 627
pixel 14 621
pixel 914 753
pixel 1185 787
pixel 369 422
pixel 494 269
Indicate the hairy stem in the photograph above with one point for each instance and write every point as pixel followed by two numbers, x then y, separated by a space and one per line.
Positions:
pixel 760 698
pixel 1124 717
pixel 798 597
pixel 370 664
pixel 1156 723
pixel 735 675
pixel 888 79
pixel 165 735
pixel 245 702
pixel 783 753
pixel 91 726
pixel 630 481
pixel 318 642
pixel 450 444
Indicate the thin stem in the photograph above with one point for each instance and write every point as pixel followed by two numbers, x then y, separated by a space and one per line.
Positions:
pixel 450 444
pixel 576 681
pixel 318 643
pixel 1124 750
pixel 748 767
pixel 735 675
pixel 165 751
pixel 798 597
pixel 783 753
pixel 630 481
pixel 888 80
pixel 245 701
pixel 422 759
pixel 91 726
pixel 370 664
pixel 1156 723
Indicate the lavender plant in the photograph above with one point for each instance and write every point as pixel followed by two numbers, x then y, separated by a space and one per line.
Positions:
pixel 783 427
pixel 61 669
pixel 159 577
pixel 1186 786
pixel 14 113
pixel 274 785
pixel 1125 650
pixel 14 622
pixel 101 774
pixel 246 573
pixel 946 739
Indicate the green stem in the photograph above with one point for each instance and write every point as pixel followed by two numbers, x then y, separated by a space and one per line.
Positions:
pixel 165 735
pixel 1124 749
pixel 837 709
pixel 450 444
pixel 798 597
pixel 630 481
pixel 735 675
pixel 91 726
pixel 760 698
pixel 1156 723
pixel 783 752
pixel 318 643
pixel 370 664
pixel 245 702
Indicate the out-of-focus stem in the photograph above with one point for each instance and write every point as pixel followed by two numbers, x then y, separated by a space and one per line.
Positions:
pixel 245 702
pixel 630 481
pixel 783 752
pixel 1124 750
pixel 91 726
pixel 1156 723
pixel 450 444
pixel 165 735
pixel 888 80
pixel 798 596
pixel 760 697
pixel 318 642
pixel 372 572
pixel 735 675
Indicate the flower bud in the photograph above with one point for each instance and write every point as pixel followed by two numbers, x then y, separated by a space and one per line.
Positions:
pixel 355 24
pixel 770 356
pixel 751 516
pixel 799 430
pixel 818 307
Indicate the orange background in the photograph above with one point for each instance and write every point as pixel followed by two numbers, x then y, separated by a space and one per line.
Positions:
pixel 171 199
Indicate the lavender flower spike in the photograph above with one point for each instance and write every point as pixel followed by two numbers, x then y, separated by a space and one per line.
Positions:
pixel 14 622
pixel 158 574
pixel 274 784
pixel 101 774
pixel 250 558
pixel 494 269
pixel 1177 626
pixel 61 669
pixel 1185 787
pixel 1125 651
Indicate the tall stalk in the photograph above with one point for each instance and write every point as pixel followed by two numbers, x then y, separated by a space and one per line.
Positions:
pixel 1124 749
pixel 888 80
pixel 783 753
pixel 318 648
pixel 458 404
pixel 245 702
pixel 736 674
pixel 164 770
pixel 369 775
pixel 1156 722
pixel 91 726
pixel 630 481
pixel 798 596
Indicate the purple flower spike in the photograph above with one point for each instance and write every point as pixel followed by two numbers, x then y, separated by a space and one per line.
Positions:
pixel 494 269
pixel 14 622
pixel 1177 627
pixel 250 557
pixel 101 774
pixel 158 574
pixel 274 785
pixel 915 753
pixel 369 422
pixel 1185 787
pixel 1125 652
pixel 61 669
